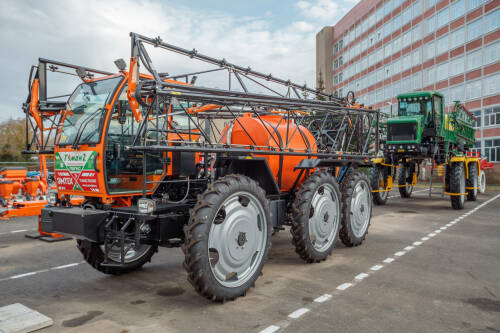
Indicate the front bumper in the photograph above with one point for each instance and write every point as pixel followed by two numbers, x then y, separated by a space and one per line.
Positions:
pixel 75 221
pixel 405 148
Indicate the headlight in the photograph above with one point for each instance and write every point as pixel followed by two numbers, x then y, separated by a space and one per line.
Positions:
pixel 146 206
pixel 52 197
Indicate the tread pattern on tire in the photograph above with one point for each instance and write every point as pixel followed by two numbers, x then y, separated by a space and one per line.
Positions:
pixel 195 247
pixel 302 205
pixel 456 173
pixel 472 194
pixel 94 256
pixel 347 187
pixel 374 184
pixel 403 191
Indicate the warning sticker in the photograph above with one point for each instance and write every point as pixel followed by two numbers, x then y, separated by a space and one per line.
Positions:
pixel 74 171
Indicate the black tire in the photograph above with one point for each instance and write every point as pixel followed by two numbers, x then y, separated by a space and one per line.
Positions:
pixel 457 185
pixel 94 256
pixel 377 175
pixel 404 174
pixel 472 182
pixel 347 233
pixel 303 211
pixel 196 249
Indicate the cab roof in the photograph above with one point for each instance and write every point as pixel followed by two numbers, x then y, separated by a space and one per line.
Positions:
pixel 412 94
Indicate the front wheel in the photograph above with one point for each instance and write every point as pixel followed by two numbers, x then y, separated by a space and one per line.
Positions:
pixel 379 183
pixel 135 256
pixel 316 217
pixel 356 208
pixel 457 185
pixel 471 183
pixel 227 238
pixel 405 181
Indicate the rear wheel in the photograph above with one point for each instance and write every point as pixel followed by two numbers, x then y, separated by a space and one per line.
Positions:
pixel 457 185
pixel 135 256
pixel 316 217
pixel 378 183
pixel 404 181
pixel 471 183
pixel 227 238
pixel 482 182
pixel 356 208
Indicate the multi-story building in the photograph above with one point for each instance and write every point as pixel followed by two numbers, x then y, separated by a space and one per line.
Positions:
pixel 384 47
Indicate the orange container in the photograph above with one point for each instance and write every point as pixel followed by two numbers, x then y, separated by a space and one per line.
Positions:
pixel 272 132
pixel 13 172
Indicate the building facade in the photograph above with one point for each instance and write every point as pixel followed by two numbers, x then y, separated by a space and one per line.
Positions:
pixel 382 48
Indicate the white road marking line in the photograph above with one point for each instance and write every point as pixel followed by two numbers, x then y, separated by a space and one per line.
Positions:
pixel 360 276
pixel 417 243
pixel 344 286
pixel 437 231
pixel 388 260
pixel 270 329
pixel 432 234
pixel 15 231
pixel 409 248
pixel 20 230
pixel 66 266
pixel 424 238
pixel 443 228
pixel 400 253
pixel 323 298
pixel 297 313
pixel 22 275
pixel 376 267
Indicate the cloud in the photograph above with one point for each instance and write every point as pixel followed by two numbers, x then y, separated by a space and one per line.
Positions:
pixel 323 10
pixel 94 33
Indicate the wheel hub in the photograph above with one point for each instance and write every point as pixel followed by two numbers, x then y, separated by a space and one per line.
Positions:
pixel 324 217
pixel 360 215
pixel 242 238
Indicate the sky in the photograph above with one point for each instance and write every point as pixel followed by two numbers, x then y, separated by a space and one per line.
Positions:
pixel 271 36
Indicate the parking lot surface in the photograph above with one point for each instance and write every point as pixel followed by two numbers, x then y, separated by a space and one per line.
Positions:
pixel 424 267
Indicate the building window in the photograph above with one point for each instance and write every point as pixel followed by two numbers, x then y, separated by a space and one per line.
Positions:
pixel 388 92
pixel 388 7
pixel 380 95
pixel 492 53
pixel 474 30
pixel 477 115
pixel 406 62
pixel 474 60
pixel 457 9
pixel 430 24
pixel 406 16
pixel 492 116
pixel 430 76
pixel 380 55
pixel 456 94
pixel 442 71
pixel 442 45
pixel 443 17
pixel 406 39
pixel 492 85
pixel 417 81
pixel 380 74
pixel 416 57
pixel 473 90
pixel 456 66
pixel 430 51
pixel 492 150
pixel 416 32
pixel 396 23
pixel 388 50
pixel 430 3
pixel 336 80
pixel 473 4
pixel 380 13
pixel 387 72
pixel 416 9
pixel 457 38
pixel 396 67
pixel 387 28
pixel 492 21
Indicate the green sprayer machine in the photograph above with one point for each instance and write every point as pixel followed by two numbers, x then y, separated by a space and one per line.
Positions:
pixel 422 130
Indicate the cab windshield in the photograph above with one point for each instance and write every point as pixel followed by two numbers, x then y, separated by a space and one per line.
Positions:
pixel 84 121
pixel 413 108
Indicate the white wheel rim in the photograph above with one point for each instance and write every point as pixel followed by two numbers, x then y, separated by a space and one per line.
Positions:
pixel 360 209
pixel 462 186
pixel 324 217
pixel 237 239
pixel 132 252
pixel 482 181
